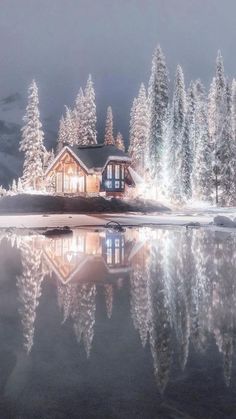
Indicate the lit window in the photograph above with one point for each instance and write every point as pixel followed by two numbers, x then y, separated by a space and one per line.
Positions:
pixel 117 171
pixel 122 184
pixel 117 184
pixel 117 243
pixel 109 184
pixel 109 243
pixel 109 255
pixel 122 172
pixel 109 171
pixel 117 256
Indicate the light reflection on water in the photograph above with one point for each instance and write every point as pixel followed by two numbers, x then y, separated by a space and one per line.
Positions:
pixel 179 286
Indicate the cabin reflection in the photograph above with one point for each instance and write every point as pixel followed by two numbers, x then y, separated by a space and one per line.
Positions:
pixel 88 255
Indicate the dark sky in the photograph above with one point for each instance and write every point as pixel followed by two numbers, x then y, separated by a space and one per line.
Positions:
pixel 59 42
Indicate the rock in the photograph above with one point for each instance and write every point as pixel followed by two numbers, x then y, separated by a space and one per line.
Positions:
pixel 193 224
pixel 223 221
pixel 57 231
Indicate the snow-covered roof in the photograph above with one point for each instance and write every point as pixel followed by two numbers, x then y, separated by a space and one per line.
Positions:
pixel 93 157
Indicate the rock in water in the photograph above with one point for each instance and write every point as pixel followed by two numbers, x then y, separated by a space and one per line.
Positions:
pixel 223 221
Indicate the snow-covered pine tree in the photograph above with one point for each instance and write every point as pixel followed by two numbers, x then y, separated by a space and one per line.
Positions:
pixel 189 140
pixel 19 186
pixel 70 126
pixel 32 141
pixel 14 186
pixel 139 131
pixel 158 102
pixel 216 114
pixel 228 155
pixel 201 178
pixel 89 118
pixel 62 135
pixel 233 111
pixel 119 142
pixel 176 148
pixel 79 106
pixel 109 138
pixel 232 198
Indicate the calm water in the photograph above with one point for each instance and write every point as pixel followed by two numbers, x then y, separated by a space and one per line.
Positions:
pixel 105 325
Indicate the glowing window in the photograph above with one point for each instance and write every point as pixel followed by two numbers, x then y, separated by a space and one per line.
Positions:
pixel 109 255
pixel 117 256
pixel 122 172
pixel 117 243
pixel 109 184
pixel 109 171
pixel 117 171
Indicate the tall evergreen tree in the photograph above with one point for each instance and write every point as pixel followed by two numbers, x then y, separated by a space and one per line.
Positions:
pixel 176 140
pixel 119 142
pixel 158 102
pixel 202 163
pixel 139 131
pixel 89 118
pixel 32 141
pixel 79 106
pixel 109 138
pixel 216 112
pixel 228 154
pixel 62 135
pixel 70 126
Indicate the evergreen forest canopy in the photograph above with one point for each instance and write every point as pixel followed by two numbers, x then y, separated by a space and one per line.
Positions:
pixel 183 145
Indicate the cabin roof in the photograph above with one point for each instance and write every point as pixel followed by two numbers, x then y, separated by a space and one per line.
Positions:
pixel 96 156
pixel 93 157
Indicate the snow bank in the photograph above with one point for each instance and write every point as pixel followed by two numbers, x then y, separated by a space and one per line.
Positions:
pixel 25 204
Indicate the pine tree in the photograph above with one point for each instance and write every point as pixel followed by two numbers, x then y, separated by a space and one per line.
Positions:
pixel 139 131
pixel 233 111
pixel 109 138
pixel 89 118
pixel 70 126
pixel 176 140
pixel 158 103
pixel 62 135
pixel 217 112
pixel 201 178
pixel 79 106
pixel 119 142
pixel 228 155
pixel 32 141
pixel 19 186
pixel 14 186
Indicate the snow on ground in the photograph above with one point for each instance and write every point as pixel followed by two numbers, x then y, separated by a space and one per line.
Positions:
pixel 185 217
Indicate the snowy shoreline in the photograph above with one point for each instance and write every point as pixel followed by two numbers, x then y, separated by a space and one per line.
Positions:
pixel 187 219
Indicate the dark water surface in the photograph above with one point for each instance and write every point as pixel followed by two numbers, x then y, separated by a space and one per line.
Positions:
pixel 140 324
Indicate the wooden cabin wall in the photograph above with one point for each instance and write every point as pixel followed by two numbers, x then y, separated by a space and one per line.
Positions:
pixel 92 184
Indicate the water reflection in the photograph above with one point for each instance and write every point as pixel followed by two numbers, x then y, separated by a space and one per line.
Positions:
pixel 181 288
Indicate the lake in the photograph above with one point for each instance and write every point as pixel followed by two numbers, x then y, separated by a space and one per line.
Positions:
pixel 108 324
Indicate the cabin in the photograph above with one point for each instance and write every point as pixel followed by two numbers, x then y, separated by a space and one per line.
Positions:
pixel 97 169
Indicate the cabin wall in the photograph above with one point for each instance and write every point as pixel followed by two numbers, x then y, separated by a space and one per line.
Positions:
pixel 92 184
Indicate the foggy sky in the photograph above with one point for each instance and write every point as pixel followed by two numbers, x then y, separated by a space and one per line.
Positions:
pixel 59 42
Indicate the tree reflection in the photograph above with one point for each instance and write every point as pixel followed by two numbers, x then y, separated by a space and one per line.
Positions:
pixel 182 288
